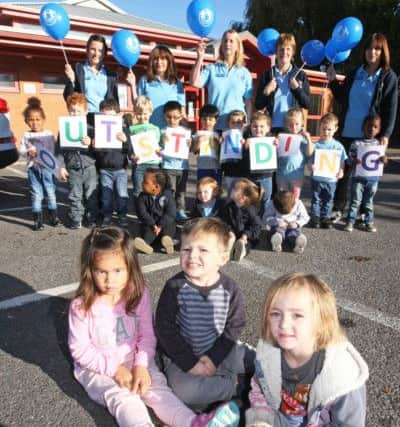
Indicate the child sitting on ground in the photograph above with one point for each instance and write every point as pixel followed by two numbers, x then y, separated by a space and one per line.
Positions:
pixel 286 215
pixel 208 202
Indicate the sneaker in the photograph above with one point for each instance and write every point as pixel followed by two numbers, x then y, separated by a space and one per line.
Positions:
pixel 168 244
pixel 276 242
pixel 181 216
pixel 238 251
pixel 75 225
pixel 314 222
pixel 301 242
pixel 142 246
pixel 326 223
pixel 227 415
pixel 336 216
pixel 38 222
pixel 370 227
pixel 348 227
pixel 106 222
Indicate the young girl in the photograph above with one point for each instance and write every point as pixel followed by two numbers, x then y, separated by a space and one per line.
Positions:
pixel 112 341
pixel 208 202
pixel 307 373
pixel 40 179
pixel 156 210
pixel 240 213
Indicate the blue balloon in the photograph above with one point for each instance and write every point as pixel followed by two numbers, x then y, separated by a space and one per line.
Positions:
pixel 200 16
pixel 347 33
pixel 313 53
pixel 266 41
pixel 333 55
pixel 54 20
pixel 125 47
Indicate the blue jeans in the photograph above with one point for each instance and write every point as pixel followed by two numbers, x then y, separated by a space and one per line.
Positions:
pixel 322 198
pixel 114 184
pixel 288 234
pixel 266 185
pixel 138 176
pixel 362 194
pixel 41 182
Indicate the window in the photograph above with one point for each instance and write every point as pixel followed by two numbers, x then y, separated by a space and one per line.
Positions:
pixel 52 84
pixel 8 82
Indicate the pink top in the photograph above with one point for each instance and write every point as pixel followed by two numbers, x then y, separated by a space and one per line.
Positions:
pixel 105 336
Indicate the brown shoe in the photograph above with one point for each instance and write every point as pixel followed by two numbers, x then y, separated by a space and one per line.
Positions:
pixel 168 244
pixel 142 246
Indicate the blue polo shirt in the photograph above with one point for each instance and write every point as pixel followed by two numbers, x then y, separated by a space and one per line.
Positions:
pixel 292 167
pixel 283 98
pixel 228 88
pixel 95 87
pixel 160 92
pixel 360 97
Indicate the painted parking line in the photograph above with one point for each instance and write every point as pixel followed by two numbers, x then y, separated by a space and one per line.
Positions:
pixel 362 310
pixel 65 289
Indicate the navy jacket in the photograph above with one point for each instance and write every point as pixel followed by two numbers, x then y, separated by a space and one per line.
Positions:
pixel 197 213
pixel 159 210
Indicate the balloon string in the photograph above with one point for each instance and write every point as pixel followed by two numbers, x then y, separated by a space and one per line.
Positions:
pixel 63 51
pixel 298 71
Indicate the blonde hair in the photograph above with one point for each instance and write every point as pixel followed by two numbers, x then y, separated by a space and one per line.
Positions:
pixel 292 113
pixel 239 54
pixel 329 118
pixel 286 39
pixel 327 327
pixel 143 103
pixel 250 189
pixel 261 115
pixel 210 182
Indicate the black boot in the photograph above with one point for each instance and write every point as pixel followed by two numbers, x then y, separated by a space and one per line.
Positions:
pixel 38 221
pixel 54 221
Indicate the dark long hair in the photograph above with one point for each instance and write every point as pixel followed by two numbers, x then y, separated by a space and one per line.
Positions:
pixel 163 52
pixel 382 42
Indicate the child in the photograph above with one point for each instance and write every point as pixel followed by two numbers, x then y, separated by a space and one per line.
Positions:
pixel 156 210
pixel 199 317
pixel 112 165
pixel 306 373
pixel 208 165
pixel 323 188
pixel 240 213
pixel 290 172
pixel 143 109
pixel 177 169
pixel 286 215
pixel 233 169
pixel 78 167
pixel 208 202
pixel 364 188
pixel 260 126
pixel 40 179
pixel 112 341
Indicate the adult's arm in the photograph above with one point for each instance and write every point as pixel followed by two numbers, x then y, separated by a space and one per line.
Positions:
pixel 195 79
pixel 73 84
pixel 262 100
pixel 388 110
pixel 302 92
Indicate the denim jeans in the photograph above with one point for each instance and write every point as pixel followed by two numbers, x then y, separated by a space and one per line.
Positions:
pixel 178 182
pixel 362 195
pixel 266 185
pixel 138 176
pixel 114 185
pixel 41 182
pixel 288 234
pixel 322 198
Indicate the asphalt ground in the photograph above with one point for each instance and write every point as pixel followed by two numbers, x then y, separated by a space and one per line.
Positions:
pixel 36 383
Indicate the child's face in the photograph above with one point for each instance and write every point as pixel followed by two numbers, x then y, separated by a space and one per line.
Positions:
pixel 109 112
pixel 236 122
pixel 150 185
pixel 295 124
pixel 372 128
pixel 259 128
pixel 110 275
pixel 205 193
pixel 207 123
pixel 173 118
pixel 238 197
pixel 327 130
pixel 201 257
pixel 35 121
pixel 143 115
pixel 77 110
pixel 292 323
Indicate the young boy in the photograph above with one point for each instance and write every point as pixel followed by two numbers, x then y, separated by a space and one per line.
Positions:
pixel 199 317
pixel 142 109
pixel 177 168
pixel 208 202
pixel 112 165
pixel 78 167
pixel 208 165
pixel 323 188
pixel 364 188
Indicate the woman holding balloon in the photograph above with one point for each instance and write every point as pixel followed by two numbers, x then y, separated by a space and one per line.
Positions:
pixel 284 86
pixel 369 89
pixel 92 78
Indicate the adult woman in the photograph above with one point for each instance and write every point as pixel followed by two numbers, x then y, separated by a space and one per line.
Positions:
pixel 228 81
pixel 160 84
pixel 92 78
pixel 369 89
pixel 283 86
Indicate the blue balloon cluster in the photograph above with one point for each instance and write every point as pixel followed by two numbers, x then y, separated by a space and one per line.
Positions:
pixel 200 16
pixel 347 33
pixel 333 55
pixel 125 47
pixel 266 41
pixel 54 20
pixel 313 52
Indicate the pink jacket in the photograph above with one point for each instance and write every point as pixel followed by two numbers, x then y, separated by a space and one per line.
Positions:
pixel 105 336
